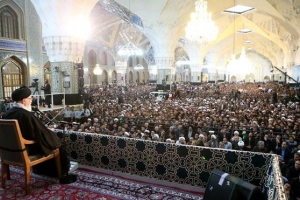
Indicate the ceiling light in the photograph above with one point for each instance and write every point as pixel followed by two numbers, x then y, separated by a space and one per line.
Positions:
pixel 97 70
pixel 245 30
pixel 239 9
pixel 248 42
pixel 201 28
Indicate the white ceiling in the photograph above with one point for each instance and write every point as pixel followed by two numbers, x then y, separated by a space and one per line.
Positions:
pixel 275 25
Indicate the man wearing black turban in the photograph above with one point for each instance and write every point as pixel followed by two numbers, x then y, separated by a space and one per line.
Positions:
pixel 33 129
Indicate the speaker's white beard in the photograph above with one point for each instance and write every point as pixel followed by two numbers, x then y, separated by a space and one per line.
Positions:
pixel 28 108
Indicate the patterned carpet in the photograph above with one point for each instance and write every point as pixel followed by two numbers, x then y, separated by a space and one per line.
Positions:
pixel 90 185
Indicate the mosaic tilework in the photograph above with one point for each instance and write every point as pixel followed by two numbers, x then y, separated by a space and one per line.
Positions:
pixel 190 165
pixel 57 77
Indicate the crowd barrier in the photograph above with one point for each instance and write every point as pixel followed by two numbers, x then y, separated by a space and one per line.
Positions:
pixel 183 164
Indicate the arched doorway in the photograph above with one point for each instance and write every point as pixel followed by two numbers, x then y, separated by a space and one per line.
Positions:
pixel 137 77
pixel 47 72
pixel 114 76
pixel 130 77
pixel 12 73
pixel 233 79
pixel 92 61
pixel 103 58
pixel 104 77
pixel 251 77
pixel 267 79
pixel 143 77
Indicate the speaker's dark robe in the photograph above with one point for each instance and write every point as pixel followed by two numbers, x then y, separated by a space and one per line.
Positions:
pixel 33 129
pixel 46 140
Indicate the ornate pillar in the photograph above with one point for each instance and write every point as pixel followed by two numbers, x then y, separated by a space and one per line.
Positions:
pixel 152 69
pixel 195 52
pixel 196 73
pixel 165 67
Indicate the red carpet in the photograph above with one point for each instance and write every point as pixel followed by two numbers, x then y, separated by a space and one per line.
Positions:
pixel 90 185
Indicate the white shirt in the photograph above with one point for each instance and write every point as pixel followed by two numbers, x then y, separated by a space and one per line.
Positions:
pixel 78 114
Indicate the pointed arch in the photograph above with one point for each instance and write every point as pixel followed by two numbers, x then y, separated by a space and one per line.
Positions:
pixel 11 20
pixel 267 79
pixel 12 75
pixel 114 76
pixel 103 58
pixel 92 61
pixel 232 79
pixel 92 58
pixel 104 77
pixel 130 77
pixel 143 77
pixel 137 77
pixel 47 72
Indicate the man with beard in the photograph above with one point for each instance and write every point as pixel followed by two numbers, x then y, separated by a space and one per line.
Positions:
pixel 293 171
pixel 33 129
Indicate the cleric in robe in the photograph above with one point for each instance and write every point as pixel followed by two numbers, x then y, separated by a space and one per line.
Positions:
pixel 33 129
pixel 46 140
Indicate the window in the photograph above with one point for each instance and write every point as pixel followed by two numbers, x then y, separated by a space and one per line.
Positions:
pixel 8 23
pixel 12 77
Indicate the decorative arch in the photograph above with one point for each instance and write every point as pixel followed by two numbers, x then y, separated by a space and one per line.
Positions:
pixel 92 61
pixel 143 77
pixel 130 62
pixel 137 77
pixel 104 77
pixel 233 79
pixel 130 77
pixel 92 57
pixel 114 76
pixel 12 75
pixel 11 10
pixel 267 79
pixel 103 58
pixel 251 78
pixel 47 72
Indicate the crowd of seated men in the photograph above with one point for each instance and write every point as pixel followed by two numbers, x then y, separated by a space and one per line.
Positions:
pixel 250 110
pixel 259 117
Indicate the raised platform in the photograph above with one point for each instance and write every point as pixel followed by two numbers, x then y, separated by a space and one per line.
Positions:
pixel 54 107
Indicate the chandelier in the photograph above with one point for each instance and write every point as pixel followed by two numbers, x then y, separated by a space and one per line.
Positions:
pixel 240 65
pixel 129 50
pixel 97 70
pixel 201 28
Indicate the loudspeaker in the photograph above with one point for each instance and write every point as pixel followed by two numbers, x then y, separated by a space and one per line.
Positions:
pixel 222 186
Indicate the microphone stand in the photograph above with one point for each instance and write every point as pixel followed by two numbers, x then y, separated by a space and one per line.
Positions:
pixel 39 114
pixel 63 125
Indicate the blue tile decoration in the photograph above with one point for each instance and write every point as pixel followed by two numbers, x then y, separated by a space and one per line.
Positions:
pixel 13 45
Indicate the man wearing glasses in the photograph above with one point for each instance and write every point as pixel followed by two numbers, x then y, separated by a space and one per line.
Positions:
pixel 33 129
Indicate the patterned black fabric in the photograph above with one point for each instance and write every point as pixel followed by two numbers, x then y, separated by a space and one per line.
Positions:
pixel 190 165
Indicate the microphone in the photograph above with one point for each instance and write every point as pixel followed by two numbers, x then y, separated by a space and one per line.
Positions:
pixel 36 110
